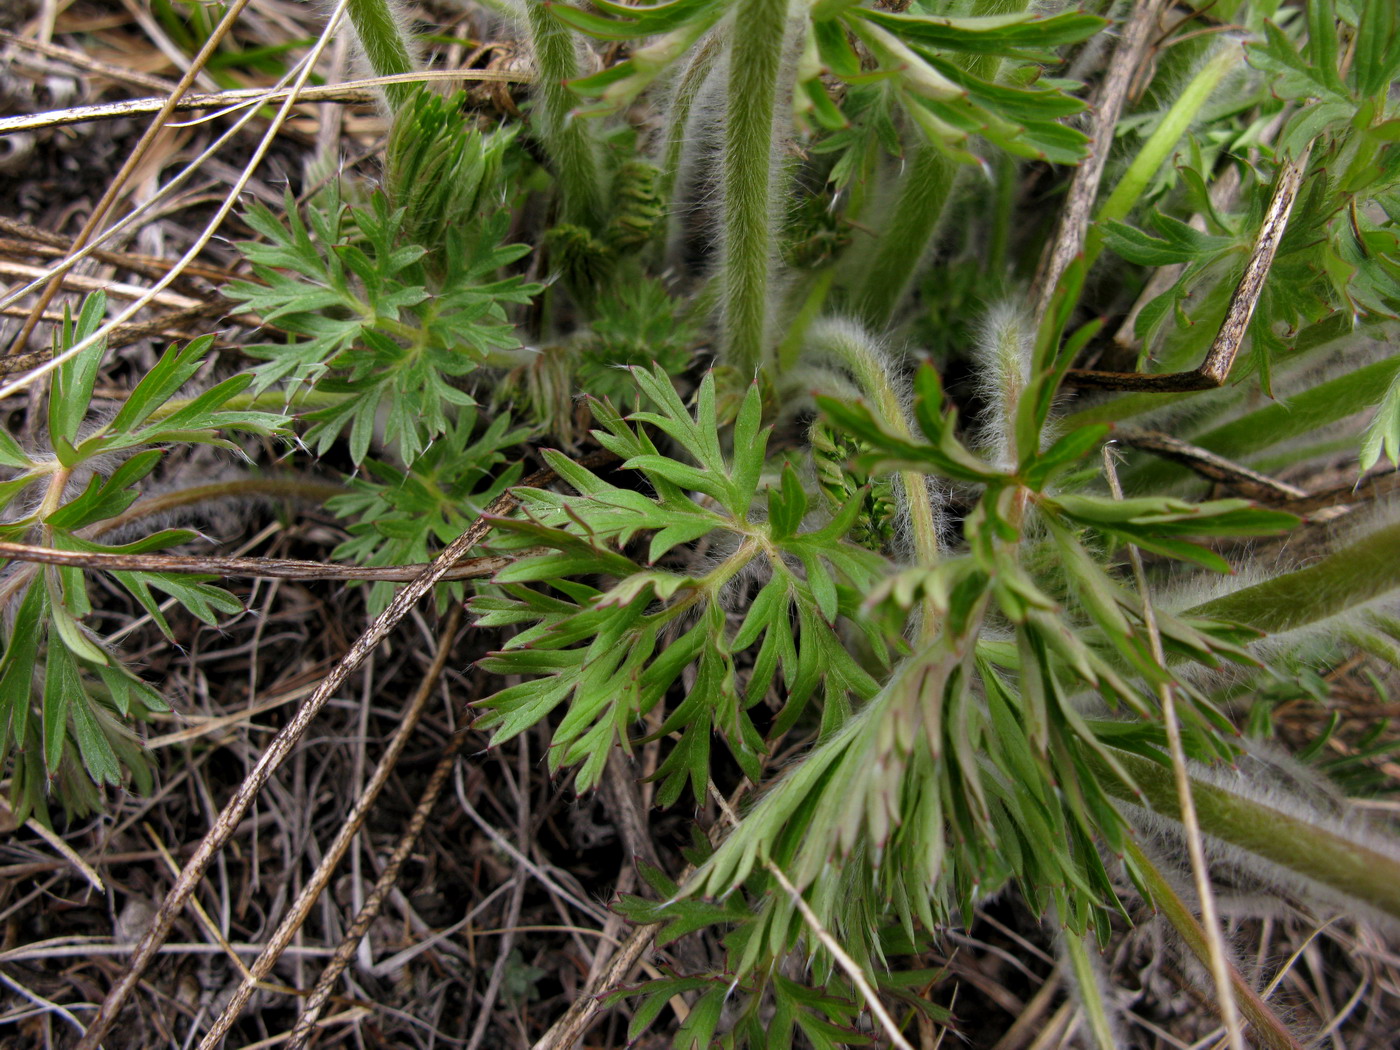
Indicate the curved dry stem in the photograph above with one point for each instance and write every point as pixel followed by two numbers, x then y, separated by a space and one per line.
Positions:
pixel 207 234
pixel 300 908
pixel 1267 1027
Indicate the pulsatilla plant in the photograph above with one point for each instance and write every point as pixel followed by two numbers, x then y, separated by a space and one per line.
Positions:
pixel 1010 653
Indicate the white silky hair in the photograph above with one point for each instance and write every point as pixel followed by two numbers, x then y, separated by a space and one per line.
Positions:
pixel 1004 351
pixel 1272 779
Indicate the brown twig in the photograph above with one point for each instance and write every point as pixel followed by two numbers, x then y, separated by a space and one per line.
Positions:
pixel 1371 487
pixel 316 884
pixel 1084 187
pixel 169 325
pixel 252 568
pixel 48 243
pixel 349 944
pixel 76 58
pixel 1268 1029
pixel 358 92
pixel 1248 483
pixel 1256 486
pixel 133 161
pixel 1215 369
pixel 281 746
pixel 576 1020
pixel 83 283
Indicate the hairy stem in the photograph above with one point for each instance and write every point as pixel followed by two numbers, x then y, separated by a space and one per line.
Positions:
pixel 848 345
pixel 568 141
pixel 1303 847
pixel 1356 574
pixel 687 90
pixel 386 47
pixel 924 190
pixel 1088 982
pixel 926 184
pixel 754 63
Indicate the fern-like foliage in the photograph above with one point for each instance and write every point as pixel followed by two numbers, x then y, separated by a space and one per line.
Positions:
pixel 380 323
pixel 64 691
pixel 611 653
pixel 404 516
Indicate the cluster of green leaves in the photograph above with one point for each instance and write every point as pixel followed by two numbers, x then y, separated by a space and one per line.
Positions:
pixel 388 309
pixel 920 68
pixel 64 692
pixel 761 1009
pixel 402 516
pixel 1338 266
pixel 637 324
pixel 975 715
pixel 365 327
pixel 614 652
pixel 980 734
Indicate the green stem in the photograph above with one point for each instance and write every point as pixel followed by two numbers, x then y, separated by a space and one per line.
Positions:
pixel 568 141
pixel 1003 215
pixel 1088 983
pixel 300 399
pixel 866 364
pixel 1266 1024
pixel 1304 847
pixel 1159 145
pixel 755 61
pixel 818 288
pixel 1358 573
pixel 688 86
pixel 905 237
pixel 386 46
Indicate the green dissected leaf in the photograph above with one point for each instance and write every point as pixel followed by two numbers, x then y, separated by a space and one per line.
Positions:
pixel 62 692
pixel 1024 36
pixel 73 380
pixel 1156 524
pixel 106 497
pixel 1177 243
pixel 413 323
pixel 1383 433
pixel 400 516
pixel 99 758
pixel 602 651
pixel 83 683
pixel 1294 75
pixel 629 22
